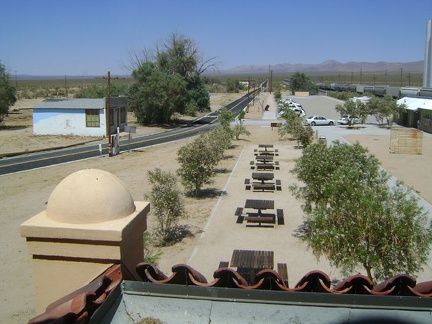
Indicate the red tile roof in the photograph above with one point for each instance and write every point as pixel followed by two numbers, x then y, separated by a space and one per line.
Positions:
pixel 79 306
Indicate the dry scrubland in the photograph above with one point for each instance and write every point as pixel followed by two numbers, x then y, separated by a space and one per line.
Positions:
pixel 210 219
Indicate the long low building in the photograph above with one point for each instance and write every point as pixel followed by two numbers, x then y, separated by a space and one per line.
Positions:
pixel 417 113
pixel 79 117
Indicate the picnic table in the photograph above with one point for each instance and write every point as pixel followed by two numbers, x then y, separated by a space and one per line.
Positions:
pixel 263 176
pixel 257 216
pixel 264 182
pixel 250 262
pixel 259 204
pixel 266 149
pixel 264 158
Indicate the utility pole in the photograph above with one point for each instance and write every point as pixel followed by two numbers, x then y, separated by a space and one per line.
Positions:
pixel 108 115
pixel 16 80
pixel 271 81
pixel 401 77
pixel 247 110
pixel 66 92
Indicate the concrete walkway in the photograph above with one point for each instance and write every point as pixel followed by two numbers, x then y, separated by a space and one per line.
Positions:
pixel 222 234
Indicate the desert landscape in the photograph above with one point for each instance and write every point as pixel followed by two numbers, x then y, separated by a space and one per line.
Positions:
pixel 210 218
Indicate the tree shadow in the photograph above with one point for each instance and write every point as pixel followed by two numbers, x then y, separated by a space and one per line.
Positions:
pixel 222 170
pixel 176 235
pixel 301 231
pixel 212 193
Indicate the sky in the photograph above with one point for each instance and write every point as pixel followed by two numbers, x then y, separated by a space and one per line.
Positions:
pixel 92 37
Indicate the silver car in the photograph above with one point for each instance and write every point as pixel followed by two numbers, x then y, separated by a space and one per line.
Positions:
pixel 318 120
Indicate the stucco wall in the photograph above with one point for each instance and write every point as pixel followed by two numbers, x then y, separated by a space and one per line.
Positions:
pixel 65 122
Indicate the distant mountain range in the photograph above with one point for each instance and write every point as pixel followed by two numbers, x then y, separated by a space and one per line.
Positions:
pixel 329 66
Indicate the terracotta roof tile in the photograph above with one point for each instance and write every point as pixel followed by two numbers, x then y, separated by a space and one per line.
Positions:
pixel 79 306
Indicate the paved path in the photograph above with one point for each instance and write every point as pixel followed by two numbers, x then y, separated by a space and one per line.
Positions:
pixel 222 235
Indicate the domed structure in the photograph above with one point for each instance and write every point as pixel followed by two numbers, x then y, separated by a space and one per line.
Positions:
pixel 89 196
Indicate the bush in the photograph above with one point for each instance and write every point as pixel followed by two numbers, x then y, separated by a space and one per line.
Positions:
pixel 167 204
pixel 197 161
pixel 354 217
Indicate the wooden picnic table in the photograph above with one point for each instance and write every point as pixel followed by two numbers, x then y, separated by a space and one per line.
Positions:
pixel 250 262
pixel 265 166
pixel 259 204
pixel 265 146
pixel 252 259
pixel 263 176
pixel 264 158
pixel 259 217
pixel 267 149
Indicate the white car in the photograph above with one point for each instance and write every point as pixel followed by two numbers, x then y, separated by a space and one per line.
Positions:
pixel 345 120
pixel 318 120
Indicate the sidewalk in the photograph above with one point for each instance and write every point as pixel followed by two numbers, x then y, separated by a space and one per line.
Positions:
pixel 222 234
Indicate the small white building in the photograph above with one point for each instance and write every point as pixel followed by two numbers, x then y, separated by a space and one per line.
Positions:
pixel 79 117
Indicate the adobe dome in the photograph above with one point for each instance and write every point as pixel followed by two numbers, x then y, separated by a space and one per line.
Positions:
pixel 89 196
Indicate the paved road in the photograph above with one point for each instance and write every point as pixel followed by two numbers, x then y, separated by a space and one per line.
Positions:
pixel 45 159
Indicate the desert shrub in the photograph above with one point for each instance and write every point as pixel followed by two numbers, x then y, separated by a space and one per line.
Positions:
pixel 197 161
pixel 151 253
pixel 167 204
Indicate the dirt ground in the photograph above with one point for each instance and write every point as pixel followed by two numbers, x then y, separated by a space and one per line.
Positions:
pixel 214 233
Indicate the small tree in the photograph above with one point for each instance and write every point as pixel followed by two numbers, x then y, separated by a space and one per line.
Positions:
pixel 197 162
pixel 225 117
pixel 219 140
pixel 167 204
pixel 305 136
pixel 300 82
pixel 7 93
pixel 384 109
pixel 239 129
pixel 352 108
pixel 354 218
pixel 294 127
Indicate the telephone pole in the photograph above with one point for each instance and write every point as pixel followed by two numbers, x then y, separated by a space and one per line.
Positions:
pixel 108 115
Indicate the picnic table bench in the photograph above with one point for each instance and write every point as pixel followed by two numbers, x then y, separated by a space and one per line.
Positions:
pixel 250 262
pixel 282 269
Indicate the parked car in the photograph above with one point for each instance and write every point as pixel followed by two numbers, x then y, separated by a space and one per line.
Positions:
pixel 345 120
pixel 318 120
pixel 300 111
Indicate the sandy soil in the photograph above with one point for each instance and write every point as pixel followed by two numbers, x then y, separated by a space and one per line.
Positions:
pixel 210 219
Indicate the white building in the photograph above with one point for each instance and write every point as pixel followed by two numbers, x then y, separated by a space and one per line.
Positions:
pixel 79 117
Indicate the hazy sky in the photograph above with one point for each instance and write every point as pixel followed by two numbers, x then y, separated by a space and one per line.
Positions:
pixel 91 37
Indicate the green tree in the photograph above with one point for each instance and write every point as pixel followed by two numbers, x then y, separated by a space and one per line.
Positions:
pixel 168 81
pixel 219 140
pixel 232 86
pixel 300 82
pixel 197 161
pixel 166 203
pixel 305 135
pixel 239 128
pixel 384 109
pixel 352 108
pixel 7 93
pixel 225 118
pixel 294 127
pixel 156 95
pixel 354 217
